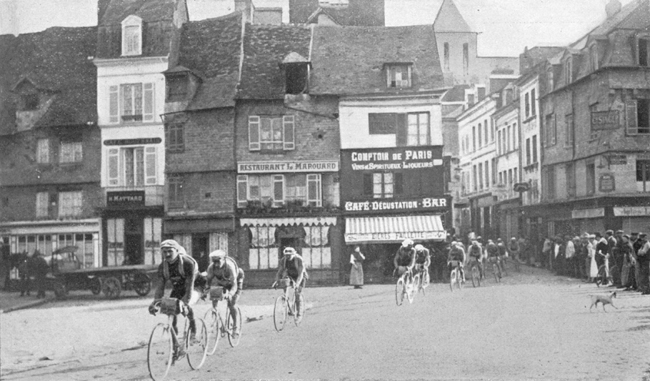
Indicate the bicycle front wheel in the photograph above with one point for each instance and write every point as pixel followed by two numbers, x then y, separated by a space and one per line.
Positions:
pixel 414 287
pixel 452 279
pixel 197 348
pixel 280 313
pixel 160 352
pixel 495 271
pixel 476 277
pixel 303 308
pixel 230 323
pixel 212 324
pixel 425 280
pixel 399 291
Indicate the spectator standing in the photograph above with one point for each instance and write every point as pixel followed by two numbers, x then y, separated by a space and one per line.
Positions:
pixel 592 270
pixel 569 254
pixel 628 259
pixel 24 272
pixel 513 248
pixel 356 267
pixel 636 245
pixel 558 260
pixel 39 268
pixel 643 256
pixel 547 251
pixel 615 242
pixel 438 263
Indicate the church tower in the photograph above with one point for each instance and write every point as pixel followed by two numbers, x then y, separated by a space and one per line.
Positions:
pixel 456 45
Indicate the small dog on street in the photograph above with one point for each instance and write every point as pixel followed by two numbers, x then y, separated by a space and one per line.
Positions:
pixel 603 300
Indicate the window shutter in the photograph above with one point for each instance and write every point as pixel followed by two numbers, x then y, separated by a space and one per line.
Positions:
pixel 288 126
pixel 398 180
pixel 148 103
pixel 278 188
pixel 367 183
pixel 113 169
pixel 554 127
pixel 113 105
pixel 631 116
pixel 242 190
pixel 253 133
pixel 150 166
pixel 401 130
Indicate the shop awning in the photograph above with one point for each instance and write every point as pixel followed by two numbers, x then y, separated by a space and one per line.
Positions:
pixel 289 221
pixel 394 229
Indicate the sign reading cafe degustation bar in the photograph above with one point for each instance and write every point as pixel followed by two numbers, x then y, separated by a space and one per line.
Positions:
pixel 427 203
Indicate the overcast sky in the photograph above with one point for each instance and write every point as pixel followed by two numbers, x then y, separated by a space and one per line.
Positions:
pixel 505 27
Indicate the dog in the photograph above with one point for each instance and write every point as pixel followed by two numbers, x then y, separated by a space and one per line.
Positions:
pixel 603 300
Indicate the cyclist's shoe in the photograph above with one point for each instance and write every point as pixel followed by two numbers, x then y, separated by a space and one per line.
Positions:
pixel 193 339
pixel 179 353
pixel 235 334
pixel 298 318
pixel 290 313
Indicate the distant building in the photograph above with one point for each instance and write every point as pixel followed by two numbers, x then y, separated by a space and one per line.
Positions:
pixel 337 12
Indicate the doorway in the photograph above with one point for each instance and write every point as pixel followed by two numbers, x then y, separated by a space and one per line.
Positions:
pixel 200 250
pixel 133 254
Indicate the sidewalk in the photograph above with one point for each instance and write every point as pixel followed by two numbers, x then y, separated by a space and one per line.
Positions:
pixel 12 301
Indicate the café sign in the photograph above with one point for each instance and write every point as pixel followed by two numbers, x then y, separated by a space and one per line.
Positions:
pixel 287 166
pixel 427 203
pixel 125 199
pixel 395 237
pixel 393 159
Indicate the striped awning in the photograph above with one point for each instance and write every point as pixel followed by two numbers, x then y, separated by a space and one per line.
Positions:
pixel 289 221
pixel 394 229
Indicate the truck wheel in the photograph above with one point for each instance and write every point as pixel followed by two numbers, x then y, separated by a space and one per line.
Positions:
pixel 60 290
pixel 111 287
pixel 95 285
pixel 142 288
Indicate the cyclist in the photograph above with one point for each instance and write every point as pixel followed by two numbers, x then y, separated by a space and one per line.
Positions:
pixel 475 253
pixel 422 258
pixel 503 251
pixel 404 259
pixel 456 253
pixel 228 275
pixel 182 271
pixel 291 265
pixel 493 252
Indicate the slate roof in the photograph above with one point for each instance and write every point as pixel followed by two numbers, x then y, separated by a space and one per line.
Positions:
pixel 54 60
pixel 350 60
pixel 449 19
pixel 211 48
pixel 158 28
pixel 455 94
pixel 358 12
pixel 265 46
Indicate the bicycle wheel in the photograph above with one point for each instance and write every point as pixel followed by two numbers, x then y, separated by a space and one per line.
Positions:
pixel 230 323
pixel 459 279
pixel 410 288
pixel 160 351
pixel 212 324
pixel 517 264
pixel 495 272
pixel 399 291
pixel 280 313
pixel 452 279
pixel 302 313
pixel 197 349
pixel 426 279
pixel 476 277
pixel 415 286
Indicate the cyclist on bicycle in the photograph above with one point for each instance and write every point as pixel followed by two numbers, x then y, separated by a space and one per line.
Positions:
pixel 456 253
pixel 182 271
pixel 291 265
pixel 404 259
pixel 228 275
pixel 422 258
pixel 475 254
pixel 493 252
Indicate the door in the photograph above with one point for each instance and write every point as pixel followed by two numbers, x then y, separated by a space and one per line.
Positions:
pixel 200 250
pixel 133 254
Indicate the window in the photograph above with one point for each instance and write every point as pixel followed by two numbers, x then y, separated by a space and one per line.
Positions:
pixel 591 177
pixel 446 55
pixel 383 123
pixel 528 152
pixel 176 87
pixel 278 189
pixel 533 101
pixel 297 75
pixel 570 180
pixel 480 135
pixel 70 204
pixel 43 151
pixel 398 76
pixel 174 138
pixel 176 194
pixel 534 144
pixel 132 167
pixel 42 204
pixel 474 138
pixel 465 58
pixel 568 129
pixel 71 152
pixel 551 130
pixel 474 176
pixel 643 175
pixel 382 184
pixel 550 82
pixel 418 129
pixel 568 71
pixel 314 197
pixel 499 145
pixel 487 174
pixel 412 129
pixel 515 140
pixel 508 139
pixel 527 105
pixel 550 182
pixel 271 133
pixel 644 43
pixel 593 54
pixel 132 36
pixel 131 102
pixel 30 102
pixel 514 175
pixel 480 176
pixel 638 116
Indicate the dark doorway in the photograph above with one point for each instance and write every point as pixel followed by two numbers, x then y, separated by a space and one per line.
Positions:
pixel 133 227
pixel 200 250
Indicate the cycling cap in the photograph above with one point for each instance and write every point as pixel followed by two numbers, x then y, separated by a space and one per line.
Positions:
pixel 289 250
pixel 407 242
pixel 169 243
pixel 218 254
pixel 419 247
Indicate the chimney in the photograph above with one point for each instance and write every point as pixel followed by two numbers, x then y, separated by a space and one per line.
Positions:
pixel 246 7
pixel 612 8
pixel 102 5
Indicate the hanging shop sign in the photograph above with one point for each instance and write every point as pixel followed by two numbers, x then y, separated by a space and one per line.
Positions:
pixel 128 142
pixel 426 203
pixel 395 237
pixel 604 120
pixel 588 213
pixel 631 211
pixel 287 166
pixel 392 159
pixel 607 183
pixel 125 199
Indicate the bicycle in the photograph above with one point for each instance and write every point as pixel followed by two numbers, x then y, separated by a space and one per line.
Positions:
pixel 404 287
pixel 455 276
pixel 164 347
pixel 285 304
pixel 476 274
pixel 215 322
pixel 495 268
pixel 421 278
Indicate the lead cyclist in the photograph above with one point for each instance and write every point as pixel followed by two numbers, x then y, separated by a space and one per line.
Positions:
pixel 422 260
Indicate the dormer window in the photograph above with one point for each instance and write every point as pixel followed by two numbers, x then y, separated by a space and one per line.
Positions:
pixel 30 101
pixel 296 70
pixel 132 36
pixel 593 54
pixel 398 75
pixel 568 71
pixel 177 88
pixel 643 50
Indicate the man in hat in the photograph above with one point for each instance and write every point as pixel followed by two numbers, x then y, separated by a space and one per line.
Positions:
pixel 629 260
pixel 643 260
pixel 613 249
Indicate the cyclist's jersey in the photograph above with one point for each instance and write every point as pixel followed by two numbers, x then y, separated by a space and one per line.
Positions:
pixel 404 256
pixel 183 270
pixel 227 275
pixel 456 254
pixel 475 251
pixel 502 249
pixel 492 250
pixel 292 266
pixel 422 256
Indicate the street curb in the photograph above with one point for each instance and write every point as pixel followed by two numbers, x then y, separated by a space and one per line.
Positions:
pixel 24 306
